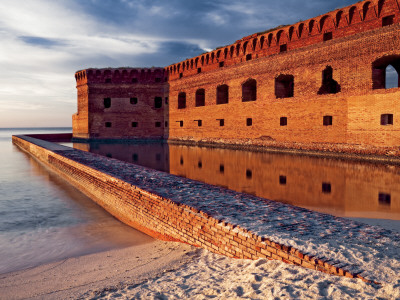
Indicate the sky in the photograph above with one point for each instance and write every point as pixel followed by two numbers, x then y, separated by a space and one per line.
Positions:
pixel 44 42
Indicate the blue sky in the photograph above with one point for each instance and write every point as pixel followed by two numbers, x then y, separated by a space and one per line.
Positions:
pixel 43 42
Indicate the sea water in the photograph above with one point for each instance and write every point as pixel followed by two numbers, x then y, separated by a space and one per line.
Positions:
pixel 45 219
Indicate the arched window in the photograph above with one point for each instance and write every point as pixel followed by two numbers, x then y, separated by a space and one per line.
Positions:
pixel 365 10
pixel 311 26
pixel 245 47
pixel 200 97
pixel 254 44
pixel 291 31
pixel 226 53
pixel 351 14
pixel 222 94
pixel 249 90
pixel 385 72
pixel 262 42
pixel 237 49
pixel 270 37
pixel 380 7
pixel 338 18
pixel 329 85
pixel 300 30
pixel 284 86
pixel 182 100
pixel 231 51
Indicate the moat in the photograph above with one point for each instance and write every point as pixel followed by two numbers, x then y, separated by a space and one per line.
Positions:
pixel 338 187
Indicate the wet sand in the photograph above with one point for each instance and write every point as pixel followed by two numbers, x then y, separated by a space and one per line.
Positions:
pixel 73 278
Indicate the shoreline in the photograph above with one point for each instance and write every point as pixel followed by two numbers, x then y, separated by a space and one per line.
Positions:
pixel 73 277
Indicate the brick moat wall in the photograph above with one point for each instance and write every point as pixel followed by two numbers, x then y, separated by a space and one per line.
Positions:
pixel 160 217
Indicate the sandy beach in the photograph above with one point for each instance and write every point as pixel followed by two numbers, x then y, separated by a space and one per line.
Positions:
pixel 73 277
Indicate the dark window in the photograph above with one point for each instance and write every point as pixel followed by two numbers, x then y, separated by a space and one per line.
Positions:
pixel 221 169
pixel 198 70
pixel 329 85
pixel 109 155
pixel 135 157
pixel 166 124
pixel 199 123
pixel 158 124
pixel 181 161
pixel 327 120
pixel 326 188
pixel 385 72
pixel 134 124
pixel 282 180
pixel 284 86
pixel 249 174
pixel 182 100
pixel 107 102
pixel 108 124
pixel 157 102
pixel 108 80
pixel 134 80
pixel 133 100
pixel 248 57
pixel 200 97
pixel 222 94
pixel 387 119
pixel 180 123
pixel 384 199
pixel 180 75
pixel 221 122
pixel 158 79
pixel 221 64
pixel 249 121
pixel 283 121
pixel 249 90
pixel 389 20
pixel 283 48
pixel 200 164
pixel 166 100
pixel 327 36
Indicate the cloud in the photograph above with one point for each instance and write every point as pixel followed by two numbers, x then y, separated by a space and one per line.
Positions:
pixel 43 42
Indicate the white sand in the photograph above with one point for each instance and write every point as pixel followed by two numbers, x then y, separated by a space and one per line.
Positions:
pixel 70 278
pixel 214 276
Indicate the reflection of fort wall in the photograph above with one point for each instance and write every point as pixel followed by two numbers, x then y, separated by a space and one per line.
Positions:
pixel 321 184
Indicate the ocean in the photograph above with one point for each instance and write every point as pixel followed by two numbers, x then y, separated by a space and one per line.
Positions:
pixel 43 218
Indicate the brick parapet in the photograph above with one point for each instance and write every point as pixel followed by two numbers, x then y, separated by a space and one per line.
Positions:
pixel 357 18
pixel 164 218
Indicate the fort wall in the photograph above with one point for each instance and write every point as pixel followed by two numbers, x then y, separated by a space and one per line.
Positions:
pixel 141 206
pixel 319 84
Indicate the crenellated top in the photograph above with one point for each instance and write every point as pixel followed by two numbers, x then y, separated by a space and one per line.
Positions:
pixel 120 76
pixel 360 17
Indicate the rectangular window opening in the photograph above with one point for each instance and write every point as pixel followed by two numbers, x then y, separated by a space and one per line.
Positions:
pixel 326 188
pixel 166 100
pixel 108 80
pixel 107 102
pixel 249 122
pixel 221 122
pixel 221 64
pixel 158 124
pixel 389 20
pixel 327 36
pixel 180 123
pixel 384 199
pixel 166 124
pixel 158 79
pixel 180 75
pixel 134 124
pixel 283 48
pixel 249 174
pixel 133 100
pixel 135 157
pixel 198 70
pixel 248 57
pixel 327 120
pixel 157 102
pixel 108 124
pixel 387 119
pixel 282 180
pixel 200 164
pixel 134 80
pixel 221 169
pixel 199 123
pixel 283 121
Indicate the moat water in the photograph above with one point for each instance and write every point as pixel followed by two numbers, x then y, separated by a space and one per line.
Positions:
pixel 361 191
pixel 45 219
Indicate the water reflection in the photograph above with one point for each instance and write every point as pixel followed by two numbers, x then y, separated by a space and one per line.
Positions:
pixel 337 187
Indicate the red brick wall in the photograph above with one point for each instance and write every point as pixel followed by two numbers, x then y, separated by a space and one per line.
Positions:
pixel 120 85
pixel 167 220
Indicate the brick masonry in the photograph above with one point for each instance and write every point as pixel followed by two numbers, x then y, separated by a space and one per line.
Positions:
pixel 356 42
pixel 132 194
